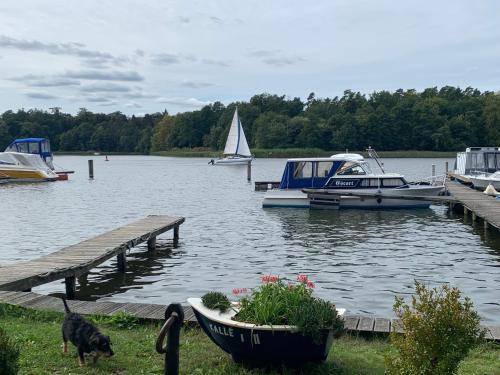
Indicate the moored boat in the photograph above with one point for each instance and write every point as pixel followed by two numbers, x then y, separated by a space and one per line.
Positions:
pixel 478 164
pixel 236 150
pixel 20 167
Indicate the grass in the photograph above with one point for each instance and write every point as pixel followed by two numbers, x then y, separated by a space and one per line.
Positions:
pixel 38 334
pixel 304 152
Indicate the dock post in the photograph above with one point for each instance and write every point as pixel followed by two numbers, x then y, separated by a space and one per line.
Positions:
pixel 446 168
pixel 91 169
pixel 249 171
pixel 433 174
pixel 466 211
pixel 176 236
pixel 70 287
pixel 485 224
pixel 152 244
pixel 122 263
pixel 473 217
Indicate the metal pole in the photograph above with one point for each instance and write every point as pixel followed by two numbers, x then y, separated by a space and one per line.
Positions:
pixel 446 167
pixel 174 317
pixel 91 169
pixel 249 171
pixel 433 173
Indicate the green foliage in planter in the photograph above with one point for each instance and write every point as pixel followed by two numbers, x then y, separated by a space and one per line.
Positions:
pixel 277 303
pixel 9 355
pixel 216 300
pixel 440 329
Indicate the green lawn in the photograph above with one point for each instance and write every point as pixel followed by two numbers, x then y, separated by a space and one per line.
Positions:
pixel 39 336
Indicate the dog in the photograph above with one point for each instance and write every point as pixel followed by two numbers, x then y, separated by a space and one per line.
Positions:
pixel 84 336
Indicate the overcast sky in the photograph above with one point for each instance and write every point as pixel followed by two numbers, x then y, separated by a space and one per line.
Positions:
pixel 146 56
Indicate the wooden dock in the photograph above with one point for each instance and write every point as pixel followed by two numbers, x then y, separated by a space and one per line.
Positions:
pixel 478 204
pixel 354 324
pixel 77 260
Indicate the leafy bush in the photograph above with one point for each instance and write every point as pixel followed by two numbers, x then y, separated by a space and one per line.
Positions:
pixel 9 355
pixel 439 330
pixel 278 303
pixel 216 300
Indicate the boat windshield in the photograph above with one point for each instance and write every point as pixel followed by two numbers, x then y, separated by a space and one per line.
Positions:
pixel 354 168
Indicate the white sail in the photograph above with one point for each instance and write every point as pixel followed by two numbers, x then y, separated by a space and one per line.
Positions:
pixel 236 143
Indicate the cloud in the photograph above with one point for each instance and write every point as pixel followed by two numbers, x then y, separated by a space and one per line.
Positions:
pixel 196 85
pixel 184 19
pixel 215 62
pixel 99 99
pixel 110 75
pixel 133 105
pixel 33 80
pixel 216 19
pixel 265 52
pixel 105 87
pixel 283 61
pixel 40 95
pixel 165 59
pixel 69 49
pixel 186 102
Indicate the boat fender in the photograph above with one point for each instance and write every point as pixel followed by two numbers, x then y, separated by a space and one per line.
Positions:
pixel 211 161
pixel 379 200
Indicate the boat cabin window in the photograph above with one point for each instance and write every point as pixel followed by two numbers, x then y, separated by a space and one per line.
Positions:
pixel 22 147
pixel 323 168
pixel 45 146
pixel 392 182
pixel 34 147
pixel 303 169
pixel 369 183
pixel 350 168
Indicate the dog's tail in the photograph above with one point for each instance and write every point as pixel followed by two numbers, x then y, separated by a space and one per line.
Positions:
pixel 66 308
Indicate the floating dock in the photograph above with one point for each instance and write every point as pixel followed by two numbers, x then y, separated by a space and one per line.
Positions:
pixel 77 260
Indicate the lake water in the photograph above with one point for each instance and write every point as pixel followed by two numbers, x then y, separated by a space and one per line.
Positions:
pixel 358 259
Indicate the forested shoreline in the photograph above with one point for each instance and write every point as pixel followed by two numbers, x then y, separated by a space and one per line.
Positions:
pixel 446 119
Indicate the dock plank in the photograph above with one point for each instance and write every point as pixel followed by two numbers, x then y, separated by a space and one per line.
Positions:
pixel 351 322
pixel 382 325
pixel 366 324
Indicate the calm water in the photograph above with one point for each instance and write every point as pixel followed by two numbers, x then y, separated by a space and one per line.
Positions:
pixel 358 259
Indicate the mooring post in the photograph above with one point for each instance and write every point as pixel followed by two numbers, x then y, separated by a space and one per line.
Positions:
pixel 70 287
pixel 485 224
pixel 446 168
pixel 249 171
pixel 473 217
pixel 152 244
pixel 91 169
pixel 433 173
pixel 176 236
pixel 122 262
pixel 174 316
pixel 466 211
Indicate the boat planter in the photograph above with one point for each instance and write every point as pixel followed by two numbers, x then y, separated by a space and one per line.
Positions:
pixel 260 344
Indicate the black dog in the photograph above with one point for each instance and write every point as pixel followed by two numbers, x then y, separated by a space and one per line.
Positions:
pixel 84 336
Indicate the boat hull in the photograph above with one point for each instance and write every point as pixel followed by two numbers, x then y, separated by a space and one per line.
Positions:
pixel 483 182
pixel 232 161
pixel 26 175
pixel 261 344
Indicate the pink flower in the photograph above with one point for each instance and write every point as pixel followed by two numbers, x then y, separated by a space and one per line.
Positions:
pixel 310 284
pixel 302 278
pixel 237 291
pixel 269 279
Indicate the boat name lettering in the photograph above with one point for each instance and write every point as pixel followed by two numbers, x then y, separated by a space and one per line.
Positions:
pixel 344 183
pixel 224 331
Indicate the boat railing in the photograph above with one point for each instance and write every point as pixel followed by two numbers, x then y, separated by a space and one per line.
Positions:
pixel 436 180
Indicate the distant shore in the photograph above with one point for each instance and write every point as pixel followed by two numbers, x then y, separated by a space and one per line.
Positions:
pixel 275 153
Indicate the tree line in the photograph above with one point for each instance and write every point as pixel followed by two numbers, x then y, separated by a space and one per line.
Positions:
pixel 446 119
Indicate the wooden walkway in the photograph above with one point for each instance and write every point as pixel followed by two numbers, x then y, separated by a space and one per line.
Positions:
pixel 478 204
pixel 77 260
pixel 364 325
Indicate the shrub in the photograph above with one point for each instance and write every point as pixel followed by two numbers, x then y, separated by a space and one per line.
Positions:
pixel 216 300
pixel 9 355
pixel 439 330
pixel 275 302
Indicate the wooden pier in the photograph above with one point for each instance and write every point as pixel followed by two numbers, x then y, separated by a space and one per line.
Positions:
pixel 354 324
pixel 77 260
pixel 478 204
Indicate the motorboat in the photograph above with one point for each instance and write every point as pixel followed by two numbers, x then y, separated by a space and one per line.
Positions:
pixel 21 167
pixel 303 173
pixel 482 181
pixel 40 147
pixel 236 150
pixel 478 166
pixel 355 185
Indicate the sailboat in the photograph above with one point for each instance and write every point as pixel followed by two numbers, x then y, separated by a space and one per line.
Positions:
pixel 236 150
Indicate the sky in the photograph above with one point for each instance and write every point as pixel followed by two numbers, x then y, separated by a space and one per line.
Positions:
pixel 149 56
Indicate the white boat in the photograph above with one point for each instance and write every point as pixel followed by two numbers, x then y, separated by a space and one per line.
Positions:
pixel 236 150
pixel 478 165
pixel 303 173
pixel 482 181
pixel 21 167
pixel 345 181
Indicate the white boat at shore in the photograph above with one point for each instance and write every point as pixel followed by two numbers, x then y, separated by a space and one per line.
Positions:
pixel 236 150
pixel 480 166
pixel 21 167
